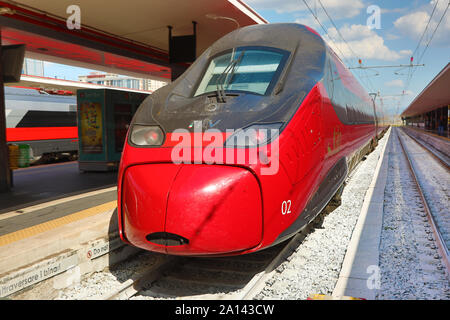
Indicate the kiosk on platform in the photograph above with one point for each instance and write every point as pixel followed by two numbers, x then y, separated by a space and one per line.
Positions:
pixel 103 119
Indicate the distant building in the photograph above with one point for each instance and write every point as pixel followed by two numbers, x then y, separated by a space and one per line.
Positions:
pixel 115 80
pixel 33 67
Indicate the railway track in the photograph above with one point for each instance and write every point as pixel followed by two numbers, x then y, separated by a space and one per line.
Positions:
pixel 439 225
pixel 235 277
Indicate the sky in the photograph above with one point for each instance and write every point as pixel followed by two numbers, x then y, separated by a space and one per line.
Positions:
pixel 379 32
pixel 353 33
pixel 61 71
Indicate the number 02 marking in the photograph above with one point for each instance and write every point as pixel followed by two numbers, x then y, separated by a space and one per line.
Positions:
pixel 286 207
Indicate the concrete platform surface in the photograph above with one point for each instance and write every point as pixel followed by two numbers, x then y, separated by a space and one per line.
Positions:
pixel 34 185
pixel 359 275
pixel 439 143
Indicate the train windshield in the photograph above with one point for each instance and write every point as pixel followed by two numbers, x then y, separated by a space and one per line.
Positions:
pixel 248 69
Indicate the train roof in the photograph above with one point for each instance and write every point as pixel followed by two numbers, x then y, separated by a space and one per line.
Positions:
pixel 22 91
pixel 306 47
pixel 31 94
pixel 285 36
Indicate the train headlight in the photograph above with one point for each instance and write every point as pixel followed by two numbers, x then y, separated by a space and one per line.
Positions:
pixel 146 135
pixel 255 135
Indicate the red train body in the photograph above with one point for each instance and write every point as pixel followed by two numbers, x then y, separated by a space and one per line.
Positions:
pixel 324 120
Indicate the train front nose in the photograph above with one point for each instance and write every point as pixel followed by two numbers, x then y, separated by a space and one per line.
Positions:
pixel 192 209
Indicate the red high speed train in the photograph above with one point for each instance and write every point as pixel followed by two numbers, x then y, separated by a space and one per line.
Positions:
pixel 246 147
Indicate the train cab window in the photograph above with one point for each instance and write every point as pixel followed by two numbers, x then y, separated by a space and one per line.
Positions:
pixel 248 69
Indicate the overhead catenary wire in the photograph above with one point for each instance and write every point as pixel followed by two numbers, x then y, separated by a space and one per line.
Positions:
pixel 410 71
pixel 426 28
pixel 337 29
pixel 323 28
pixel 434 32
pixel 344 57
pixel 369 83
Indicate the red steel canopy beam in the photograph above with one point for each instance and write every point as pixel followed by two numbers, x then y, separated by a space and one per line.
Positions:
pixel 5 182
pixel 57 26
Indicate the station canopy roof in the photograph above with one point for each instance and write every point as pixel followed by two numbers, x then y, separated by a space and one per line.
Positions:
pixel 124 37
pixel 435 95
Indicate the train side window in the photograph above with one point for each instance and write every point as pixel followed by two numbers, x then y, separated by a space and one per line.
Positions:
pixel 334 71
pixel 359 113
pixel 339 97
pixel 330 78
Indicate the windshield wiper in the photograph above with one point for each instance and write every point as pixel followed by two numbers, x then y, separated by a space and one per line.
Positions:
pixel 224 75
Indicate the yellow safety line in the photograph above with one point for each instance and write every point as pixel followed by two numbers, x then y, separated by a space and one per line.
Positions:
pixel 53 224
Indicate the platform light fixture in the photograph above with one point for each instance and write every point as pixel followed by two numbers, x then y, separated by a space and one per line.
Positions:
pixel 215 17
pixel 6 10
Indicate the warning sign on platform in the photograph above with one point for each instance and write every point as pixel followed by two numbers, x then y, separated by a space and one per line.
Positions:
pixel 100 247
pixel 25 278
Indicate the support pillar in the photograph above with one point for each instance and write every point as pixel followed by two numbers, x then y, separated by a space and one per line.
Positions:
pixel 5 177
pixel 448 121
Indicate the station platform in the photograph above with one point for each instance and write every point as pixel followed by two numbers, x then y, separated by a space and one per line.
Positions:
pixel 445 135
pixel 43 194
pixel 44 183
pixel 439 144
pixel 362 255
pixel 57 220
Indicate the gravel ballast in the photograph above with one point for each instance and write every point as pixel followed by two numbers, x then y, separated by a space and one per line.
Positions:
pixel 315 265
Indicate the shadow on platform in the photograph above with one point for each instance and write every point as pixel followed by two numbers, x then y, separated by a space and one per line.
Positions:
pixel 35 185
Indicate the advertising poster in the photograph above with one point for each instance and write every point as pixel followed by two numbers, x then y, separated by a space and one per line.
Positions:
pixel 91 127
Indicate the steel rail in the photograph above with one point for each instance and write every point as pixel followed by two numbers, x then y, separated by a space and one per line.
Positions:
pixel 137 282
pixel 442 247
